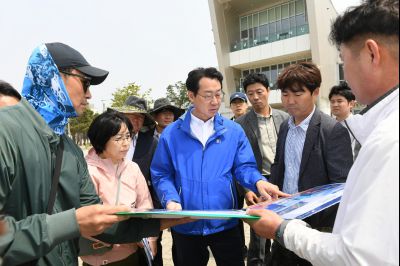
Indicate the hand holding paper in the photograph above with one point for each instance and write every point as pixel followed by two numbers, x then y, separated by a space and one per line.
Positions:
pixel 167 223
pixel 94 219
pixel 269 191
pixel 267 225
pixel 174 206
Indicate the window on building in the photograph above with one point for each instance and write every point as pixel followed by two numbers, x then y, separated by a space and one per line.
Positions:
pixel 276 23
pixel 273 71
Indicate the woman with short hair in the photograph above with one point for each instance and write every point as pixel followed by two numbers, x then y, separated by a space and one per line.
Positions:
pixel 117 181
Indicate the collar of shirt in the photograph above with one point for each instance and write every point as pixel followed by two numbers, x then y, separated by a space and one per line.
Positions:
pixel 363 125
pixel 131 151
pixel 200 129
pixel 263 116
pixel 304 124
pixel 157 135
pixel 343 121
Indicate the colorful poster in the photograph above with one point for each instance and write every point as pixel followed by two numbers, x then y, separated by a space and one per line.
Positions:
pixel 298 206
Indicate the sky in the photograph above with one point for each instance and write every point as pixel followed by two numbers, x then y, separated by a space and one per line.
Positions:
pixel 152 43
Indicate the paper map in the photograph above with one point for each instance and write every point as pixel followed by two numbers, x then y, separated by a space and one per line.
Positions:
pixel 298 206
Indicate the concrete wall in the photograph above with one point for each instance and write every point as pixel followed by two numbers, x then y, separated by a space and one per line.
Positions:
pixel 265 54
pixel 225 16
pixel 321 13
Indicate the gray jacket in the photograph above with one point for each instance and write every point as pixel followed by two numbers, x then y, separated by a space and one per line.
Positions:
pixel 249 122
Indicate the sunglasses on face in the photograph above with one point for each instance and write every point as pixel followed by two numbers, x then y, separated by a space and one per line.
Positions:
pixel 84 80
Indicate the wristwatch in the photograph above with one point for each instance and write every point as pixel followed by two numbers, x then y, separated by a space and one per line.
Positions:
pixel 280 231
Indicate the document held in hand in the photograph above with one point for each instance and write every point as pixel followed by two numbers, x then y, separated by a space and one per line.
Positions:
pixel 298 206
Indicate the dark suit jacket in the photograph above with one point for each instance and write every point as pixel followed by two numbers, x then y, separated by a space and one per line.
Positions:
pixel 327 158
pixel 249 123
pixel 146 145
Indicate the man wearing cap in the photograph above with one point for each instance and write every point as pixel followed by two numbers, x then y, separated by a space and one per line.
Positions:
pixel 238 104
pixel 261 126
pixel 46 193
pixel 143 143
pixel 164 113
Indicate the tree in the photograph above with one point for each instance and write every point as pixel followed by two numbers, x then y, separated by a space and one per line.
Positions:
pixel 177 94
pixel 79 126
pixel 121 94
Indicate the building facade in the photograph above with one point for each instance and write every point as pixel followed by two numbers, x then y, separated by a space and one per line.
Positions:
pixel 268 35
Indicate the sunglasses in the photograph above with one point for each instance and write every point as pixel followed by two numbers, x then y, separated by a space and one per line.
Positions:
pixel 84 80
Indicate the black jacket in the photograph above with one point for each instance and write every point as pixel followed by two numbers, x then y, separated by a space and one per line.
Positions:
pixel 326 158
pixel 146 145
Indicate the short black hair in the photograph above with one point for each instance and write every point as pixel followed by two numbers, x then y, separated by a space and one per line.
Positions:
pixel 105 126
pixel 253 78
pixel 7 90
pixel 194 76
pixel 377 17
pixel 295 76
pixel 343 90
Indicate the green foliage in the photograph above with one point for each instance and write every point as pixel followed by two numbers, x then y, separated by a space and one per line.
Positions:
pixel 120 96
pixel 177 94
pixel 79 126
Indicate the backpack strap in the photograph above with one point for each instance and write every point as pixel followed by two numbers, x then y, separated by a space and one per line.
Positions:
pixel 56 177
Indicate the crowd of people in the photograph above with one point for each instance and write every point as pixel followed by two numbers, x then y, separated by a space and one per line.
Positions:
pixel 57 205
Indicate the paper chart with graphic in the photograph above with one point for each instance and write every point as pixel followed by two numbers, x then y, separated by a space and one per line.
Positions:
pixel 298 206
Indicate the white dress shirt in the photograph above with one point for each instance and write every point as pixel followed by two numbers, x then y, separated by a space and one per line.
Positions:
pixel 132 148
pixel 202 130
pixel 366 230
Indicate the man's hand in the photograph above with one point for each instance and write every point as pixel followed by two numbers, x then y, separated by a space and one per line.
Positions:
pixel 269 191
pixel 174 206
pixel 267 225
pixel 167 223
pixel 94 219
pixel 251 198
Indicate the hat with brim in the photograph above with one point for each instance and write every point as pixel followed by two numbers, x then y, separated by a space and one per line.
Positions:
pixel 67 57
pixel 163 104
pixel 136 105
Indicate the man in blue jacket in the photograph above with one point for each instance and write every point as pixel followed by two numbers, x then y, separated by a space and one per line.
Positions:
pixel 193 168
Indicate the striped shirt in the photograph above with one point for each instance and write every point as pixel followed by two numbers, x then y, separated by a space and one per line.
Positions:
pixel 293 153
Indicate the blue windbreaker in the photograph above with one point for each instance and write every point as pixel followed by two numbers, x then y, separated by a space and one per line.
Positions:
pixel 202 178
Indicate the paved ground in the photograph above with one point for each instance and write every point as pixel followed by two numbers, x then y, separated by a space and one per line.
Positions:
pixel 167 244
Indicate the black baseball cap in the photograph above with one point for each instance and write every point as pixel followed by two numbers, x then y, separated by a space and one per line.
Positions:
pixel 67 57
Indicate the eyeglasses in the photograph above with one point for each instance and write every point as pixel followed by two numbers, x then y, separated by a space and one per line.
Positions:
pixel 209 97
pixel 84 80
pixel 120 139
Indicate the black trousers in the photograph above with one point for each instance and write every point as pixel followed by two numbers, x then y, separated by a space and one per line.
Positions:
pixel 259 250
pixel 226 247
pixel 281 256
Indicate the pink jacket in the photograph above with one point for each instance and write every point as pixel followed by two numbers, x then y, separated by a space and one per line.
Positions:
pixel 133 193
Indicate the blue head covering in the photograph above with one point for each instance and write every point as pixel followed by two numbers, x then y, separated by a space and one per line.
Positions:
pixel 45 90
